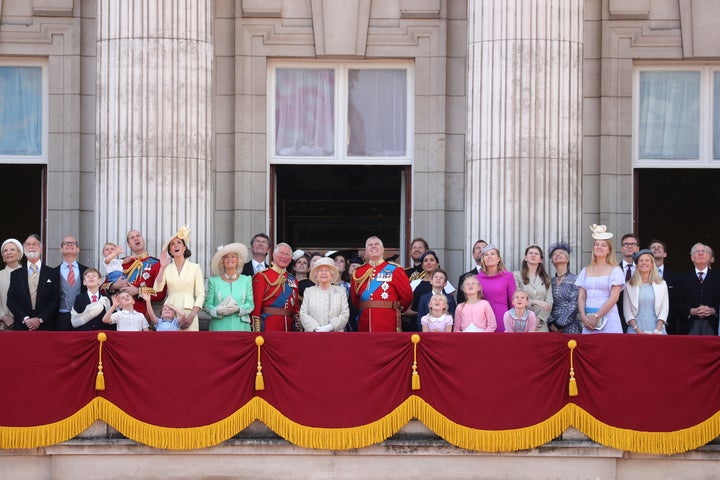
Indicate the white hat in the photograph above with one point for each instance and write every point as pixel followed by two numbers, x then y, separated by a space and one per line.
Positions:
pixel 238 249
pixel 327 263
pixel 599 232
pixel 16 243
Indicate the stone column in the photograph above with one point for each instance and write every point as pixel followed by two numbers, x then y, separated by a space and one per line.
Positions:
pixel 154 122
pixel 524 137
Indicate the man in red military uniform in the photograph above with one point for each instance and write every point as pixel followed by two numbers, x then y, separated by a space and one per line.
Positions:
pixel 381 290
pixel 139 273
pixel 275 294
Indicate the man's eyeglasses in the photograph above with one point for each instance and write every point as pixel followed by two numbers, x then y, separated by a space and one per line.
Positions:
pixel 69 244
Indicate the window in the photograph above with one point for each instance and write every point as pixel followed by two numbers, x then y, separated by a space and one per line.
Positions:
pixel 22 113
pixel 340 113
pixel 677 116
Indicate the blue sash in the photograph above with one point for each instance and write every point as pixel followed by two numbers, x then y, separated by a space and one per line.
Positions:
pixel 280 300
pixel 385 275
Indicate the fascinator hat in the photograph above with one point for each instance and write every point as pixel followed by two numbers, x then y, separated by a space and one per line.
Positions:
pixel 183 234
pixel 644 251
pixel 561 245
pixel 599 232
pixel 238 249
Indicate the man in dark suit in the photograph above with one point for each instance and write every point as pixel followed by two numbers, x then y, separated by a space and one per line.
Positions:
pixel 629 245
pixel 659 251
pixel 697 296
pixel 71 284
pixel 418 246
pixel 477 256
pixel 259 247
pixel 34 292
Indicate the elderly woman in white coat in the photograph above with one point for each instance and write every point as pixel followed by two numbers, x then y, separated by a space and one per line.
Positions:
pixel 325 306
pixel 645 301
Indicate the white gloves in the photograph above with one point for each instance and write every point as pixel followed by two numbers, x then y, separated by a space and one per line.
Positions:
pixel 325 328
pixel 224 310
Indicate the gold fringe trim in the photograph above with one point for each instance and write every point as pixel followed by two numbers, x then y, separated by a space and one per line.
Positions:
pixel 52 433
pixel 656 443
pixel 178 438
pixel 336 438
pixel 492 440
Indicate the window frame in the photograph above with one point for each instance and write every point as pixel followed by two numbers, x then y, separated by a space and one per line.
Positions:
pixel 41 159
pixel 340 99
pixel 705 134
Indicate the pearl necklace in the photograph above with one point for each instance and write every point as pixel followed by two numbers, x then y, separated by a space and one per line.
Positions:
pixel 230 278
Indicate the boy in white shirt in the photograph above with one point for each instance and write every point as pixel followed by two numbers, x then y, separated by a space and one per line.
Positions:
pixel 127 319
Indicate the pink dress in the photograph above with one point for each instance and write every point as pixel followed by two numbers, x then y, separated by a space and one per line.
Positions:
pixel 475 317
pixel 437 324
pixel 526 323
pixel 498 290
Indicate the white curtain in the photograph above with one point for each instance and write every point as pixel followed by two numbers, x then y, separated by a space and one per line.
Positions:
pixel 20 110
pixel 377 113
pixel 304 112
pixel 669 115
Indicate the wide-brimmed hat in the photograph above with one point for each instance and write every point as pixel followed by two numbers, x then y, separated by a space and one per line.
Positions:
pixel 599 232
pixel 327 263
pixel 238 249
pixel 183 234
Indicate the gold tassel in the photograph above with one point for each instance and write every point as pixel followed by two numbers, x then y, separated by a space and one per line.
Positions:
pixel 415 339
pixel 259 381
pixel 572 386
pixel 100 378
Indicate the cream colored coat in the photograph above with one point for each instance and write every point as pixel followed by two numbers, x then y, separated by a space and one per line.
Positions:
pixel 630 301
pixel 185 289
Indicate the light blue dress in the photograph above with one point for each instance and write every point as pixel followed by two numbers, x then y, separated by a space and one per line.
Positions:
pixel 597 292
pixel 646 318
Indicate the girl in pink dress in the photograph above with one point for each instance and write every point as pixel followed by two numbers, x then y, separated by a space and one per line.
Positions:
pixel 438 320
pixel 474 314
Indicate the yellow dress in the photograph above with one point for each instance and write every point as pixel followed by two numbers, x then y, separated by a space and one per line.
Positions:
pixel 185 289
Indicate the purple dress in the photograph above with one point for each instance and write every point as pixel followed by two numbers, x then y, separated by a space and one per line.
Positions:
pixel 498 290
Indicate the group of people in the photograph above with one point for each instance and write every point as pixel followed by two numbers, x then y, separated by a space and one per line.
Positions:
pixel 333 292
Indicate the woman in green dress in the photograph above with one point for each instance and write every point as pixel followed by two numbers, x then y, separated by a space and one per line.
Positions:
pixel 229 299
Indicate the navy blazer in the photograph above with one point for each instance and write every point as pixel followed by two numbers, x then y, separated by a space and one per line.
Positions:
pixel 47 299
pixel 689 293
pixel 81 303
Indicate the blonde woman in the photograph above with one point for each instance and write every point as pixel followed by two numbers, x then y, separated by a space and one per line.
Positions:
pixel 599 286
pixel 645 301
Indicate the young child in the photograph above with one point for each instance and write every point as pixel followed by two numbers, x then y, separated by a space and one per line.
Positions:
pixel 438 319
pixel 90 307
pixel 127 319
pixel 438 280
pixel 520 318
pixel 474 314
pixel 112 263
pixel 171 318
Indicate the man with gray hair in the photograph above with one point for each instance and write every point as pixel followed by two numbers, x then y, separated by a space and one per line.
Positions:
pixel 381 290
pixel 698 295
pixel 34 293
pixel 275 294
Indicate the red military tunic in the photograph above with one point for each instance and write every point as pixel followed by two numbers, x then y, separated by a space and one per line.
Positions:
pixel 141 271
pixel 381 293
pixel 276 300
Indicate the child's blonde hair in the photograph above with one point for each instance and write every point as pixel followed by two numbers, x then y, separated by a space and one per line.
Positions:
pixel 473 278
pixel 443 298
pixel 523 292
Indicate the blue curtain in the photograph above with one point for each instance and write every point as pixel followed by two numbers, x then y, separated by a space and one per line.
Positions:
pixel 20 110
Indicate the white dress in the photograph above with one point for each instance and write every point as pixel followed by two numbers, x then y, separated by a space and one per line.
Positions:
pixel 597 292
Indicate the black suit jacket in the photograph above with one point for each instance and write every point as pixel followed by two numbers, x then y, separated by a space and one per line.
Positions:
pixel 460 295
pixel 671 279
pixel 248 268
pixel 81 303
pixel 47 299
pixel 689 293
